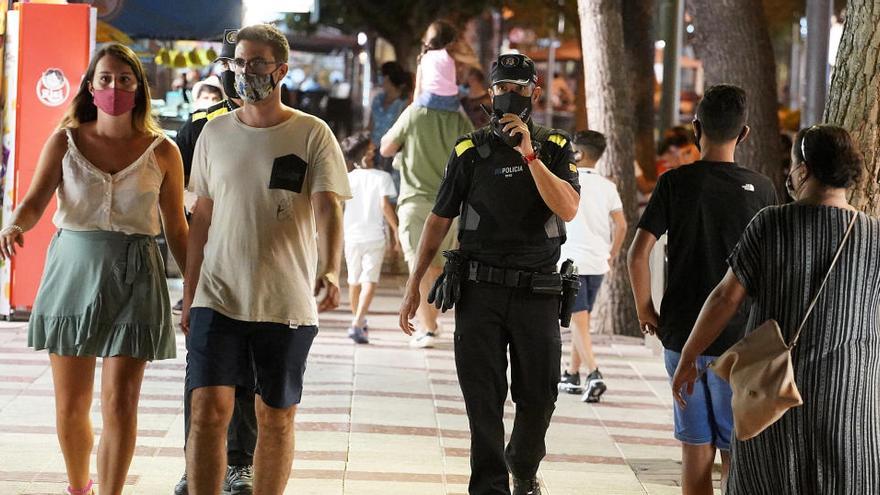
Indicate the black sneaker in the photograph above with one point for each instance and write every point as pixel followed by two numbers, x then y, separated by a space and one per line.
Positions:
pixel 181 488
pixel 178 308
pixel 239 480
pixel 595 387
pixel 526 487
pixel 570 384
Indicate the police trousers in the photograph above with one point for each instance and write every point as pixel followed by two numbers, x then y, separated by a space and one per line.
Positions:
pixel 491 320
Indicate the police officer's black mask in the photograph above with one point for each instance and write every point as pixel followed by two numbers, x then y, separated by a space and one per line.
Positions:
pixel 514 103
pixel 227 78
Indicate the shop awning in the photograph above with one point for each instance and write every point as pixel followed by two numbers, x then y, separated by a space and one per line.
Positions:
pixel 171 19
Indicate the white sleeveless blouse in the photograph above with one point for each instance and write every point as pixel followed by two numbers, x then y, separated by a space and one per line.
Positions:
pixel 91 199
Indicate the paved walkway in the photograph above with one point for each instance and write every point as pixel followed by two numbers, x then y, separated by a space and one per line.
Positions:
pixel 381 418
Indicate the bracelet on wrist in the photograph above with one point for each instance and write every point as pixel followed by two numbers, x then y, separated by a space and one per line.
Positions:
pixel 530 157
pixel 15 227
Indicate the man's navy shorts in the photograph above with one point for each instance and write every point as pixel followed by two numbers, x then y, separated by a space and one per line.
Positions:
pixel 586 295
pixel 268 357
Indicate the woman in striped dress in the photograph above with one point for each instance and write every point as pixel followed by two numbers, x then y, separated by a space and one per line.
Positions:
pixel 831 444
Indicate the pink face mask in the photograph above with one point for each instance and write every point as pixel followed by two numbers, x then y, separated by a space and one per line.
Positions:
pixel 114 101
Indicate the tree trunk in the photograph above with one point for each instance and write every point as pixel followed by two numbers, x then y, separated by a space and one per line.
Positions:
pixel 733 42
pixel 488 39
pixel 854 101
pixel 610 111
pixel 638 43
pixel 581 120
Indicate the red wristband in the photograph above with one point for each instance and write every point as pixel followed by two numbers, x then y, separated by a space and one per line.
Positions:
pixel 530 157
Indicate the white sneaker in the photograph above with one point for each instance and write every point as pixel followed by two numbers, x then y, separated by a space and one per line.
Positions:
pixel 423 340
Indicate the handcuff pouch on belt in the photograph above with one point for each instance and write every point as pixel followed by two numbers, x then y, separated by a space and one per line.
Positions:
pixel 546 283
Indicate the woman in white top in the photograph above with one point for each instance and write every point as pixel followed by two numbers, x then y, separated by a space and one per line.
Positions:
pixel 103 291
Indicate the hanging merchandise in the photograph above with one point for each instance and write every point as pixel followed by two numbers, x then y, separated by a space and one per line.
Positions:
pixel 199 58
pixel 163 57
pixel 179 60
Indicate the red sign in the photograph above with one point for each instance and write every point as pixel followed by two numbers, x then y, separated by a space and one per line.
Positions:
pixel 53 54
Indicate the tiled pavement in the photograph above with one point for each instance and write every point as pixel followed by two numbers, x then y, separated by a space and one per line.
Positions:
pixel 374 419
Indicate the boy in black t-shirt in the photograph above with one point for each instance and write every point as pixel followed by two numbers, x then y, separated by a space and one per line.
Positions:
pixel 703 208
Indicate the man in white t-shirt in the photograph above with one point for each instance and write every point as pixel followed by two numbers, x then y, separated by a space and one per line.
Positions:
pixel 594 240
pixel 371 193
pixel 269 180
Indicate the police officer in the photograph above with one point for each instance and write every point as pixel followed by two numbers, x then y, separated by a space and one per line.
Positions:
pixel 514 185
pixel 242 433
pixel 189 133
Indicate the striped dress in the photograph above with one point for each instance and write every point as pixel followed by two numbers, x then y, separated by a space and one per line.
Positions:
pixel 831 444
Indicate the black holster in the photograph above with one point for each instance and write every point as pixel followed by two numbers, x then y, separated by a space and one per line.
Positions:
pixel 570 286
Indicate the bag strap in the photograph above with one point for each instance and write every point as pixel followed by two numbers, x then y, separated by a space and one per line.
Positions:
pixel 849 229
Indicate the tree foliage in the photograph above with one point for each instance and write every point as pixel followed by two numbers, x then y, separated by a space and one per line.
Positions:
pixel 542 16
pixel 401 22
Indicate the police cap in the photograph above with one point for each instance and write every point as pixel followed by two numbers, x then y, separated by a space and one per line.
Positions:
pixel 513 68
pixel 230 38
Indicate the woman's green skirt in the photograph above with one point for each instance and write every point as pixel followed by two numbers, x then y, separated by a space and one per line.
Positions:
pixel 103 294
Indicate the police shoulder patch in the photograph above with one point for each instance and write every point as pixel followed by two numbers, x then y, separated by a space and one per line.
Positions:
pixel 573 167
pixel 217 113
pixel 463 146
pixel 558 139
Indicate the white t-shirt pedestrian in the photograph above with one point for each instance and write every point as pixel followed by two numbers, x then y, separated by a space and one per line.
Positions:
pixel 589 233
pixel 363 220
pixel 261 257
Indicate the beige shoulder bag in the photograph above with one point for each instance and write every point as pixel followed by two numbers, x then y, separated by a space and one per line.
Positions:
pixel 760 371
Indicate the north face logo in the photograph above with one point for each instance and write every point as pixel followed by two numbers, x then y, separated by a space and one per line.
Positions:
pixel 749 187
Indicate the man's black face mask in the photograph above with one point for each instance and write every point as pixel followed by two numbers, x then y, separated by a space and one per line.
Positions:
pixel 514 103
pixel 227 78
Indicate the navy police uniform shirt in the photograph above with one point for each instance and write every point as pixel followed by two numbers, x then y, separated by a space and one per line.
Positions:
pixel 504 221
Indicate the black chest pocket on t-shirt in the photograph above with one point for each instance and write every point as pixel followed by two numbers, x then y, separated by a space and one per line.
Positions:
pixel 288 172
